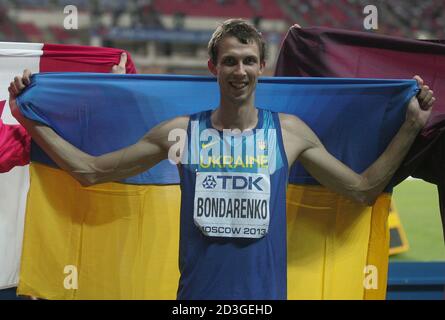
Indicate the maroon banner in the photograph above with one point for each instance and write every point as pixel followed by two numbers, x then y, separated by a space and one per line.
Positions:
pixel 327 52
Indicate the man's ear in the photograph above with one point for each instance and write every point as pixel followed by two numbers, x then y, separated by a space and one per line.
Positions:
pixel 262 66
pixel 212 67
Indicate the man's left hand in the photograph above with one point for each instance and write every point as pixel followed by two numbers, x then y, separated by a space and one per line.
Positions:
pixel 420 106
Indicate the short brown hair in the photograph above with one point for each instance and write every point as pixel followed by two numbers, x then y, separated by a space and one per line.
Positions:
pixel 242 30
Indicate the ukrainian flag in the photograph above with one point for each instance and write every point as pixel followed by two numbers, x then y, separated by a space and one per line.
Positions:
pixel 122 238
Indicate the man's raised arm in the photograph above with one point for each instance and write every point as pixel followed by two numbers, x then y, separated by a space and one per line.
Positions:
pixel 364 187
pixel 88 170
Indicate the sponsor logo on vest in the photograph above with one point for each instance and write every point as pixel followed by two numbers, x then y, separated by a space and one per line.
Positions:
pixel 236 182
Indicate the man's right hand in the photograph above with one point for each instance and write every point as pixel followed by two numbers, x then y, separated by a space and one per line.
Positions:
pixel 19 83
pixel 15 88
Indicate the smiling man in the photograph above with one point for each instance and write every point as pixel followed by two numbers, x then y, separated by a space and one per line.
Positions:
pixel 234 167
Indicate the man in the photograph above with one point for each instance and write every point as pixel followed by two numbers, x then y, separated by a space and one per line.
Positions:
pixel 233 224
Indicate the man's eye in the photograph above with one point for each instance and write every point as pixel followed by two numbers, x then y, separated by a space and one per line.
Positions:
pixel 229 61
pixel 250 61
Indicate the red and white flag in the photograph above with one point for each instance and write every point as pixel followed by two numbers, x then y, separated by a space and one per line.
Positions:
pixel 14 141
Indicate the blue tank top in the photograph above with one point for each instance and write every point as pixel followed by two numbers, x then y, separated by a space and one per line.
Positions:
pixel 233 211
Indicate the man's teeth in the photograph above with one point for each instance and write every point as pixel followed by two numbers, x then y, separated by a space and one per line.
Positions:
pixel 238 85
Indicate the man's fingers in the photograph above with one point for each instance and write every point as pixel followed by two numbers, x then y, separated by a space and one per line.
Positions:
pixel 114 69
pixel 425 96
pixel 11 92
pixel 18 83
pixel 123 60
pixel 431 103
pixel 427 99
pixel 423 92
pixel 419 80
pixel 26 77
pixel 13 88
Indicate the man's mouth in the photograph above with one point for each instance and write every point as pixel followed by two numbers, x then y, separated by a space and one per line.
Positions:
pixel 238 84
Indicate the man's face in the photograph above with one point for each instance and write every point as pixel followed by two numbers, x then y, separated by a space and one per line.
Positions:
pixel 237 69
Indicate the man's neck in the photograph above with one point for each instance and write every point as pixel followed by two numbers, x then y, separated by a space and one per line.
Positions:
pixel 230 116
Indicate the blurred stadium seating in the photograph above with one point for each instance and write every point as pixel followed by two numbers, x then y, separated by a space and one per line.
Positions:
pixel 162 33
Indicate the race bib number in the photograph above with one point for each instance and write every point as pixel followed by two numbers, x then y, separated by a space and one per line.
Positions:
pixel 232 204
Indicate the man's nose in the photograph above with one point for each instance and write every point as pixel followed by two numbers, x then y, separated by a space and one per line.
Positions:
pixel 240 69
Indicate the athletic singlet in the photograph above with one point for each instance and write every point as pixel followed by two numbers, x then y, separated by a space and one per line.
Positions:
pixel 233 211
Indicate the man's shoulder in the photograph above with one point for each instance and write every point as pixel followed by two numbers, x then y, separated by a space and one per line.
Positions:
pixel 295 128
pixel 181 119
pixel 180 122
pixel 290 121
